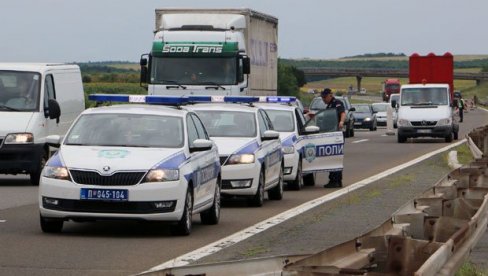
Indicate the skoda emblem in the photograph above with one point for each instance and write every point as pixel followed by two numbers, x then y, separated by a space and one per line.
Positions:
pixel 106 168
pixel 309 152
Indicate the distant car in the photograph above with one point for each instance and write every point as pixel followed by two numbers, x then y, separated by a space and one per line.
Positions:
pixel 381 114
pixel 318 104
pixel 364 117
pixel 362 91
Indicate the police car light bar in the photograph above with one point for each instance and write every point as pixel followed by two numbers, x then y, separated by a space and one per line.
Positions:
pixel 277 99
pixel 123 98
pixel 222 99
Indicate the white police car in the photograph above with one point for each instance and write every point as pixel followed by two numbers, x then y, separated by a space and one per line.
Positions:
pixel 308 147
pixel 135 162
pixel 249 148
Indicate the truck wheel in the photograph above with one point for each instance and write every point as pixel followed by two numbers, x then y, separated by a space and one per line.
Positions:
pixel 309 180
pixel 276 193
pixel 183 227
pixel 35 176
pixel 212 215
pixel 401 138
pixel 51 225
pixel 297 184
pixel 257 200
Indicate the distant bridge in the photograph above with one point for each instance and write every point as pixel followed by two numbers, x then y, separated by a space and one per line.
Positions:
pixel 392 73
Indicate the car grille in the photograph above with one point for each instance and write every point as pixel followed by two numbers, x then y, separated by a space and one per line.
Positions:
pixel 96 206
pixel 117 179
pixel 223 159
pixel 1 141
pixel 424 123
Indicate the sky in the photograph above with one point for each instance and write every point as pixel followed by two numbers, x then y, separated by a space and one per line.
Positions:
pixel 122 30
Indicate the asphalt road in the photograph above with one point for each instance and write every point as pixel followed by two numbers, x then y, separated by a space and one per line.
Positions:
pixel 123 248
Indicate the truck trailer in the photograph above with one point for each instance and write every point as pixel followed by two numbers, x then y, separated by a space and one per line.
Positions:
pixel 212 52
pixel 426 103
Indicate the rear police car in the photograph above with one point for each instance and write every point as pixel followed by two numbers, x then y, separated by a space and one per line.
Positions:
pixel 306 147
pixel 134 162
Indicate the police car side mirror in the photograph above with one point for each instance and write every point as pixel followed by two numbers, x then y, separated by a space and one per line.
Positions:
pixel 201 145
pixel 311 130
pixel 53 141
pixel 270 135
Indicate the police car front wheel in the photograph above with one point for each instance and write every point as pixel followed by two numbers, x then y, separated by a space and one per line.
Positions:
pixel 183 227
pixel 51 225
pixel 212 215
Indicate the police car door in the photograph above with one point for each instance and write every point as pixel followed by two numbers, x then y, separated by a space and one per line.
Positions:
pixel 323 151
pixel 203 165
pixel 272 150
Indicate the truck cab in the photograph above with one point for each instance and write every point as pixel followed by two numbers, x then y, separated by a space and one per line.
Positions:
pixel 212 52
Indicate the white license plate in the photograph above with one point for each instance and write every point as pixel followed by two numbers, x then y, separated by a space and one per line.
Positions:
pixel 424 131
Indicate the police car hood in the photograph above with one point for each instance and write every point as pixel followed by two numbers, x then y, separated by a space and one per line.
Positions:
pixel 118 158
pixel 233 145
pixel 12 122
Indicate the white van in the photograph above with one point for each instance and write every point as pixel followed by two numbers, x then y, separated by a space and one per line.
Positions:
pixel 36 100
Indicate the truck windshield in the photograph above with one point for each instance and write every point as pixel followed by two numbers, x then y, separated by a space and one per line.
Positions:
pixel 424 96
pixel 19 91
pixel 127 130
pixel 194 70
pixel 228 123
pixel 393 87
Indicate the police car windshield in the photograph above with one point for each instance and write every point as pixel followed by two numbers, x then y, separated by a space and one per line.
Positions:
pixel 127 130
pixel 282 120
pixel 228 123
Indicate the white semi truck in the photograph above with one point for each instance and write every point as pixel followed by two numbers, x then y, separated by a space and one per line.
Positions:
pixel 212 52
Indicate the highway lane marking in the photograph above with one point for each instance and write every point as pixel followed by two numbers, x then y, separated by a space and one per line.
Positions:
pixel 273 221
pixel 360 141
pixel 2 220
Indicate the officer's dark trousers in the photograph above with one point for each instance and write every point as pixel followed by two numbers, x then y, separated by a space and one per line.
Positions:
pixel 461 114
pixel 335 177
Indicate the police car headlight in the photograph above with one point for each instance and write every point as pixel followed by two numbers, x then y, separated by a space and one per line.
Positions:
pixel 19 138
pixel 403 122
pixel 56 172
pixel 240 159
pixel 162 175
pixel 367 119
pixel 444 122
pixel 288 149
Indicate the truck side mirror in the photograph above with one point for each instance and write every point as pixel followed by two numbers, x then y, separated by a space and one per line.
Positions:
pixel 54 110
pixel 143 63
pixel 246 65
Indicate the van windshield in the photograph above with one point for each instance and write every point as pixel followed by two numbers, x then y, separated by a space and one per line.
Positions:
pixel 19 91
pixel 424 96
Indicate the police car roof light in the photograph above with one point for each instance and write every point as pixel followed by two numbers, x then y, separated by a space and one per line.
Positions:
pixel 241 99
pixel 200 99
pixel 278 99
pixel 123 98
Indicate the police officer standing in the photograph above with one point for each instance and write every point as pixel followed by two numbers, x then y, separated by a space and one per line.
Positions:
pixel 335 178
pixel 461 106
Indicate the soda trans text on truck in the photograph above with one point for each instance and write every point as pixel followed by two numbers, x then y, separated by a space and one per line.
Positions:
pixel 212 52
pixel 426 103
pixel 36 100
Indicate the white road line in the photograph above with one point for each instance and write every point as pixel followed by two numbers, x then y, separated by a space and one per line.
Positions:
pixel 261 226
pixel 360 141
pixel 2 220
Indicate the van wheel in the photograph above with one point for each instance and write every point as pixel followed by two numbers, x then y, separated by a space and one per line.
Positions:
pixel 51 225
pixel 212 215
pixel 276 193
pixel 297 183
pixel 449 138
pixel 401 138
pixel 257 200
pixel 309 179
pixel 35 176
pixel 183 227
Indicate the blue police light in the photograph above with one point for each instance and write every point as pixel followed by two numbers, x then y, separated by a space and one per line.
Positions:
pixel 241 99
pixel 278 99
pixel 163 100
pixel 167 100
